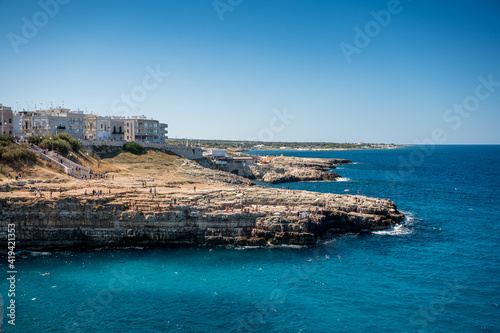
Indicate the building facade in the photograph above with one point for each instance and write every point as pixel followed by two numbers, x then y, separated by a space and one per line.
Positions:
pixel 103 126
pixel 84 126
pixel 7 119
pixel 117 125
pixel 142 129
pixel 76 124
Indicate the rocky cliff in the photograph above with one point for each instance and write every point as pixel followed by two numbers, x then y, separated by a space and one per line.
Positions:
pixel 256 216
pixel 291 169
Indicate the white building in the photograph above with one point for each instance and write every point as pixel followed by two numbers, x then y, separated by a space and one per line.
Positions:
pixel 96 127
pixel 41 122
pixel 218 152
pixel 89 126
pixel 142 129
pixel 103 126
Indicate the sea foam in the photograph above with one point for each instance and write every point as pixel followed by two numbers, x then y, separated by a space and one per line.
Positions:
pixel 343 179
pixel 404 228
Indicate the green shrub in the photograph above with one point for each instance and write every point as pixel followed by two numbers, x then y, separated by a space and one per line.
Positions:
pixel 75 144
pixel 6 139
pixel 14 153
pixel 65 136
pixel 134 148
pixel 59 145
pixel 35 139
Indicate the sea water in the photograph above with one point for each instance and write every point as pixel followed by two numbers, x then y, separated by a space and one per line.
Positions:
pixel 437 272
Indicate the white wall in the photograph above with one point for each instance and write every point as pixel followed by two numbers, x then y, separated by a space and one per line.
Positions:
pixel 188 152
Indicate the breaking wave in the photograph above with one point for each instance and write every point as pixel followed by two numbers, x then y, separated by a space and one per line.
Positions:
pixel 404 228
pixel 343 179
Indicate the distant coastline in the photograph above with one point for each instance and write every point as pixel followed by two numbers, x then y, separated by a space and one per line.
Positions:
pixel 328 149
pixel 241 146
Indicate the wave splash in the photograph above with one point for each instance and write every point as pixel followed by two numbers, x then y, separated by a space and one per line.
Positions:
pixel 404 228
pixel 343 179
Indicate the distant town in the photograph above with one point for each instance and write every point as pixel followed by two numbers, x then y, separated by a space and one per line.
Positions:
pixel 82 126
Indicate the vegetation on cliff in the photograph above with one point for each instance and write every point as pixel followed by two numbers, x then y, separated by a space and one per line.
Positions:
pixel 63 143
pixel 134 148
pixel 12 153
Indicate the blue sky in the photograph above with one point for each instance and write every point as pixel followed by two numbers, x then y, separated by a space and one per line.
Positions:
pixel 234 65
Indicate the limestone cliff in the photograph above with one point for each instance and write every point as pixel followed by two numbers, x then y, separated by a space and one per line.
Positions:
pixel 254 217
pixel 283 169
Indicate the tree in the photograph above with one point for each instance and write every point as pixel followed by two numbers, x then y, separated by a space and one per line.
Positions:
pixel 34 139
pixel 134 148
pixel 76 144
pixel 59 145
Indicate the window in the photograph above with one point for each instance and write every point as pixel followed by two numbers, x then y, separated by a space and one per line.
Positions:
pixel 10 121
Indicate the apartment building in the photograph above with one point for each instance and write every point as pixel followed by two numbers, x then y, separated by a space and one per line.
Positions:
pixel 117 125
pixel 103 126
pixel 76 124
pixel 86 126
pixel 142 129
pixel 7 119
pixel 41 122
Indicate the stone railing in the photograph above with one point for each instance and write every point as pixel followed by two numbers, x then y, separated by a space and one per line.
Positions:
pixel 70 169
pixel 54 161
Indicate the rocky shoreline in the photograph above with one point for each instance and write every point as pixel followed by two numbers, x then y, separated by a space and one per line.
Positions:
pixel 276 169
pixel 283 169
pixel 255 216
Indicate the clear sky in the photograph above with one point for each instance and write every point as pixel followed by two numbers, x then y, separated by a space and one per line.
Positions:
pixel 287 70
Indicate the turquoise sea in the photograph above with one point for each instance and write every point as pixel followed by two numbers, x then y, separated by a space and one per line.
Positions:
pixel 438 272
